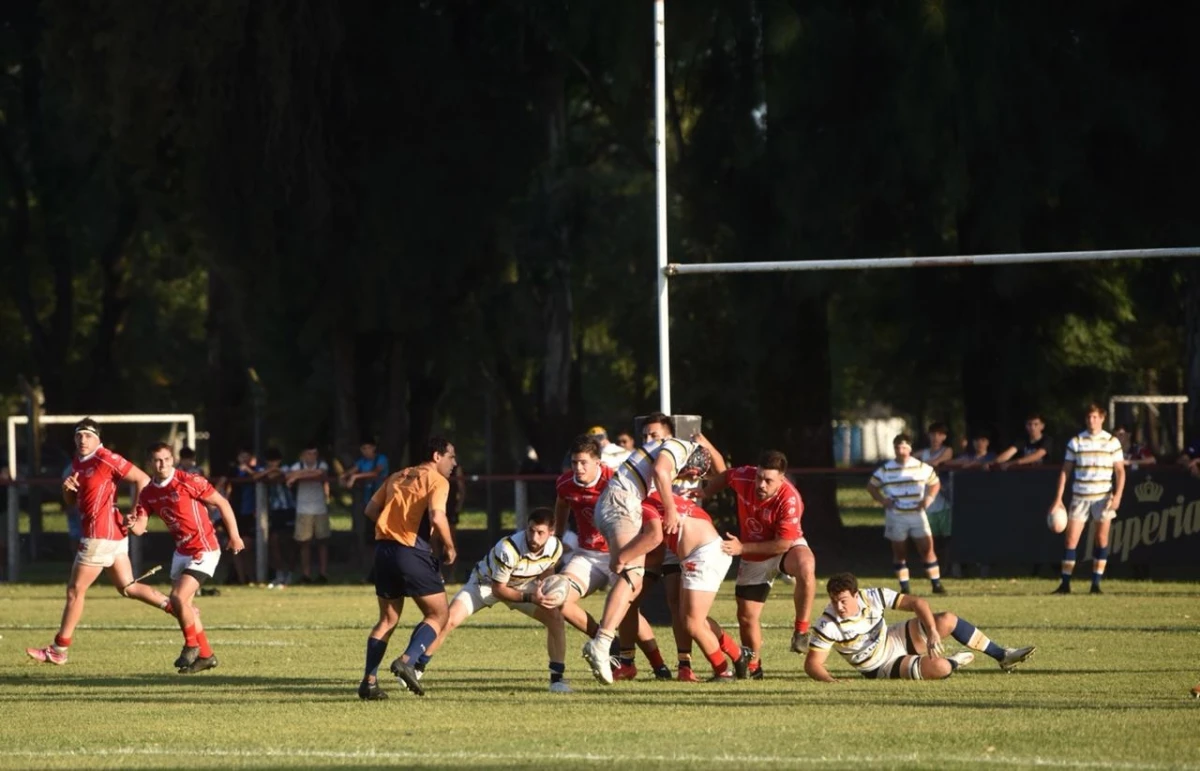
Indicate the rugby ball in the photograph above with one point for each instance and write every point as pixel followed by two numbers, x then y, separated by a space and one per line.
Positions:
pixel 555 589
pixel 1056 520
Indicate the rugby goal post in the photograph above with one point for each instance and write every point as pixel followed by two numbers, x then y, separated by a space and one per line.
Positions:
pixel 14 513
pixel 1151 401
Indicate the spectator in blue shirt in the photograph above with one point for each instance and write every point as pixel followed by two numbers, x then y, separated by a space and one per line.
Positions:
pixel 371 469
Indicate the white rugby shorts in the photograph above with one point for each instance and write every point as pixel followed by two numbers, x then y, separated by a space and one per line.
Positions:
pixel 204 563
pixel 476 596
pixel 618 513
pixel 590 570
pixel 705 567
pixel 901 527
pixel 1080 511
pixel 101 552
pixel 763 571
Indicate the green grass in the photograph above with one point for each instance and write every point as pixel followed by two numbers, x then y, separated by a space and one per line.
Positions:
pixel 1106 689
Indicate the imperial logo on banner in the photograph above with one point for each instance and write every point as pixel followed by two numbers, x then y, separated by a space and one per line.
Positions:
pixel 1000 517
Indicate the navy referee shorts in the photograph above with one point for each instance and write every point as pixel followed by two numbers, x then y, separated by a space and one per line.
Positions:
pixel 405 571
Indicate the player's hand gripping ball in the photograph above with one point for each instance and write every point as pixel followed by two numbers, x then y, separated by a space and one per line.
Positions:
pixel 1056 520
pixel 555 589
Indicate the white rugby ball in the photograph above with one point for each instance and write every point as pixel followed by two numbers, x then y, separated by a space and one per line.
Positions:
pixel 555 589
pixel 1056 520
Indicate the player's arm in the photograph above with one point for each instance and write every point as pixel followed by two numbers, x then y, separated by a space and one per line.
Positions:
pixel 374 506
pixel 875 490
pixel 214 498
pixel 1068 467
pixel 1118 485
pixel 924 614
pixel 561 510
pixel 814 665
pixel 716 484
pixel 70 489
pixel 931 494
pixel 139 478
pixel 138 520
pixel 440 523
pixel 664 474
pixel 718 461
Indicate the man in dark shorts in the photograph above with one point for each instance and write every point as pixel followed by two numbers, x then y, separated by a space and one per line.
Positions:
pixel 409 512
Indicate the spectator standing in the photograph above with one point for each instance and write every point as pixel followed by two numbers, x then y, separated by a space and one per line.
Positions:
pixel 1037 447
pixel 241 497
pixel 309 480
pixel 281 517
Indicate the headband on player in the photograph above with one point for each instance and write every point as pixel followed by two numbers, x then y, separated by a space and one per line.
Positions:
pixel 90 428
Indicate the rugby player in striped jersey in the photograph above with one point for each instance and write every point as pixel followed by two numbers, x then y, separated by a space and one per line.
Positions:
pixel 853 625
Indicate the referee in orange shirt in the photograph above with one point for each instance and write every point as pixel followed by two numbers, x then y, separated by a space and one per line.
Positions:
pixel 409 511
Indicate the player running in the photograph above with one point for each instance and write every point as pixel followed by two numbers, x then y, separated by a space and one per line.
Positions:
pixel 853 625
pixel 92 486
pixel 181 499
pixel 769 512
pixel 510 574
pixel 587 569
pixel 618 515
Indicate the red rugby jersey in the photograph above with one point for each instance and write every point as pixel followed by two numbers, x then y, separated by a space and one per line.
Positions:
pixel 778 517
pixel 582 501
pixel 179 502
pixel 99 474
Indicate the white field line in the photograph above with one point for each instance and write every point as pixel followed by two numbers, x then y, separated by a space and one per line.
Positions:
pixel 223 642
pixel 812 761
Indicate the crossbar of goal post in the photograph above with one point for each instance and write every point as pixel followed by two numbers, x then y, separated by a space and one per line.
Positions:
pixel 14 514
pixel 670 270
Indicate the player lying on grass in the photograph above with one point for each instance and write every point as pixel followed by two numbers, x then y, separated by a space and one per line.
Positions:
pixel 181 500
pixel 587 569
pixel 92 486
pixel 703 566
pixel 853 625
pixel 510 574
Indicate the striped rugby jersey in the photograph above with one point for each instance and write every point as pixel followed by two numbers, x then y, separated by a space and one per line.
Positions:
pixel 639 466
pixel 1094 456
pixel 860 640
pixel 906 483
pixel 510 561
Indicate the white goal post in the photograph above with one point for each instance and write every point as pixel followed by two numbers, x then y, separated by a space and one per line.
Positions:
pixel 14 514
pixel 1150 401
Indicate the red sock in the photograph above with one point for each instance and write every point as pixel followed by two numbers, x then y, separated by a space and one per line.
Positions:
pixel 168 608
pixel 61 641
pixel 717 659
pixel 655 658
pixel 205 651
pixel 729 647
pixel 189 636
pixel 755 664
pixel 802 626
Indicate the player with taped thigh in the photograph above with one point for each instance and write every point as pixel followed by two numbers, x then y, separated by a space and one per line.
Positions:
pixel 181 499
pixel 587 568
pixel 618 515
pixel 907 487
pixel 92 486
pixel 704 566
pixel 771 541
pixel 1096 465
pixel 511 574
pixel 853 624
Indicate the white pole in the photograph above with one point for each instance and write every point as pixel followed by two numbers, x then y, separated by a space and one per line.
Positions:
pixel 13 523
pixel 660 184
pixel 1012 258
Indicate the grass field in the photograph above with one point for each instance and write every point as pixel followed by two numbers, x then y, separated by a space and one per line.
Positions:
pixel 1107 689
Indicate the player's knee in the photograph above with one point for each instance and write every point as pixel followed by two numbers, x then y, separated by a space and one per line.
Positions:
pixel 946 621
pixel 935 668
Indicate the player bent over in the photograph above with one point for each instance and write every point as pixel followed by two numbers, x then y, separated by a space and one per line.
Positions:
pixel 510 574
pixel 587 570
pixel 180 499
pixel 853 625
pixel 407 508
pixel 618 516
pixel 772 541
pixel 703 566
pixel 92 486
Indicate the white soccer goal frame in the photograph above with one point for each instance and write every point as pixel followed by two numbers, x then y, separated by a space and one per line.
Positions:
pixel 14 512
pixel 1150 401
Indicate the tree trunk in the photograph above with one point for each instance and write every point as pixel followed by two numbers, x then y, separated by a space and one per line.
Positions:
pixel 113 303
pixel 395 423
pixel 345 404
pixel 1191 306
pixel 224 378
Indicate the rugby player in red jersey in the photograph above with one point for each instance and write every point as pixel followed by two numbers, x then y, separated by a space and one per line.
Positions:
pixel 587 569
pixel 92 486
pixel 181 500
pixel 703 566
pixel 769 512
